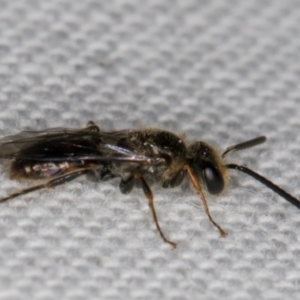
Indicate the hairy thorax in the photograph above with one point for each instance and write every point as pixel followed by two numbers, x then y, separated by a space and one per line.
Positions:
pixel 167 148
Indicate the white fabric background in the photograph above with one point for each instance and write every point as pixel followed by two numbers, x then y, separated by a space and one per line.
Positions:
pixel 223 71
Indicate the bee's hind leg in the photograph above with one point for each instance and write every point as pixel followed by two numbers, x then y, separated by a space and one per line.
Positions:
pixel 58 180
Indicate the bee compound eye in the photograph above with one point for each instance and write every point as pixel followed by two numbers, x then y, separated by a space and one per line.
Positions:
pixel 213 180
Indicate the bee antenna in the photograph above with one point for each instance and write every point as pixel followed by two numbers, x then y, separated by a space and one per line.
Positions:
pixel 275 188
pixel 248 144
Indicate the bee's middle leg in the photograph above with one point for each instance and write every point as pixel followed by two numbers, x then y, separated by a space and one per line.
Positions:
pixel 127 185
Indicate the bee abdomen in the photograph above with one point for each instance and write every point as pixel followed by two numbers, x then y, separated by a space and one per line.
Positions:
pixel 36 170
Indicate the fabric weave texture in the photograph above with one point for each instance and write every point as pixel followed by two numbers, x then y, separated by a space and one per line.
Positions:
pixel 218 71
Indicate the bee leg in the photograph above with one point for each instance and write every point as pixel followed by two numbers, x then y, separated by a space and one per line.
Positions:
pixel 49 184
pixel 91 126
pixel 149 196
pixel 175 181
pixel 196 184
pixel 127 185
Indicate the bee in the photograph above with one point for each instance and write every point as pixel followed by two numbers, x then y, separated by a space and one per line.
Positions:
pixel 138 157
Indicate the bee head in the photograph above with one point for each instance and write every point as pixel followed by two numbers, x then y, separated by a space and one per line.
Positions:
pixel 208 166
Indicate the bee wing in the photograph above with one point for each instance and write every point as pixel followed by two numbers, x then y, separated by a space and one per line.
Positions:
pixel 12 145
pixel 61 144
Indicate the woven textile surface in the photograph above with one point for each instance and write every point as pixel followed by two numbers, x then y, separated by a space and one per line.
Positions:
pixel 218 71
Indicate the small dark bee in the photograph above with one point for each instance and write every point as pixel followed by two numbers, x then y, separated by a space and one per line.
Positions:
pixel 138 157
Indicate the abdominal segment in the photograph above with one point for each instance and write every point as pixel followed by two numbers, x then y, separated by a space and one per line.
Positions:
pixel 28 169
